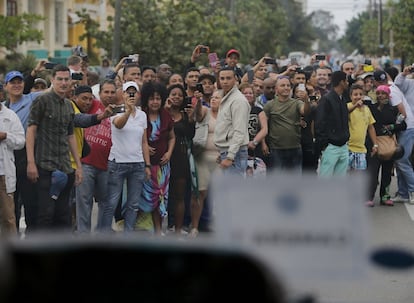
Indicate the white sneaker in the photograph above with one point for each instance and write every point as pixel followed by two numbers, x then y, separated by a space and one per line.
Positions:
pixel 411 198
pixel 398 198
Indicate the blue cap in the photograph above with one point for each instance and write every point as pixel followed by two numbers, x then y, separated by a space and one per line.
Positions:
pixel 13 74
pixel 57 183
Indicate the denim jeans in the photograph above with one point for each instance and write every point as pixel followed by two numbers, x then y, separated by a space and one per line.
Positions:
pixel 240 162
pixel 94 184
pixel 405 173
pixel 287 159
pixel 334 161
pixel 134 174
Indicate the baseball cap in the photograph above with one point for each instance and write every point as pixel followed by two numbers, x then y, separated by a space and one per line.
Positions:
pixel 13 74
pixel 364 75
pixel 57 183
pixel 384 88
pixel 40 80
pixel 233 51
pixel 380 75
pixel 82 89
pixel 129 84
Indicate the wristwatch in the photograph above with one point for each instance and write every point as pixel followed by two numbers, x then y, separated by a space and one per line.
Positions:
pixel 147 165
pixel 255 143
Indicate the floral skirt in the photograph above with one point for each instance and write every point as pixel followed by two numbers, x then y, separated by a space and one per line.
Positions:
pixel 155 190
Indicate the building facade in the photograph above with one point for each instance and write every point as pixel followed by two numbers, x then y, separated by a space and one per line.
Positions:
pixel 61 28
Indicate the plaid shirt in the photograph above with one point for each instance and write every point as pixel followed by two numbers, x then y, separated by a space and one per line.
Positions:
pixel 54 119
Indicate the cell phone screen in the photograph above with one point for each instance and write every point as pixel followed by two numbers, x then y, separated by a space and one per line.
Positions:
pixel 213 59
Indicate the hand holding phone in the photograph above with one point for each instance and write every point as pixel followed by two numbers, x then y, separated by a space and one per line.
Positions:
pixel 204 50
pixel 213 59
pixel 200 88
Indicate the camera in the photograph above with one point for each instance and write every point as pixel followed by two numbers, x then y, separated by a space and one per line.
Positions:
pixel 313 98
pixel 132 95
pixel 368 62
pixel 203 50
pixel 118 109
pixel 320 57
pixel 299 70
pixel 77 76
pixel 131 59
pixel 200 88
pixel 269 61
pixel 49 65
pixel 78 51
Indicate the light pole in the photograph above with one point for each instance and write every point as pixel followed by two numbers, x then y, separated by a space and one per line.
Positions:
pixel 117 33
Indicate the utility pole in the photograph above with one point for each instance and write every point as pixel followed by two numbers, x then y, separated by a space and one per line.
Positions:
pixel 381 42
pixel 117 33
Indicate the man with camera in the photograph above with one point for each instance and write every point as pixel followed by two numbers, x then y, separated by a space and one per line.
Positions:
pixel 405 173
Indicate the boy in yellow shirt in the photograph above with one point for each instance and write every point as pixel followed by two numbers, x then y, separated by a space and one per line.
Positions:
pixel 360 121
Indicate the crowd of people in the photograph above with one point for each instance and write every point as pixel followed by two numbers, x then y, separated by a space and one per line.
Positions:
pixel 146 140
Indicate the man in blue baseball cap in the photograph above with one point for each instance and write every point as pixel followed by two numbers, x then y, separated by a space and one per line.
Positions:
pixel 25 190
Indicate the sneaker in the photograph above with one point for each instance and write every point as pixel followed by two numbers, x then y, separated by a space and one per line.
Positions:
pixel 411 198
pixel 387 202
pixel 370 203
pixel 398 198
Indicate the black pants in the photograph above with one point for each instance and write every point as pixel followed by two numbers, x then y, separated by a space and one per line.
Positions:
pixel 374 165
pixel 53 215
pixel 26 196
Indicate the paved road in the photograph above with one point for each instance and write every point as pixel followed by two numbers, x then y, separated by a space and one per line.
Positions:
pixel 389 226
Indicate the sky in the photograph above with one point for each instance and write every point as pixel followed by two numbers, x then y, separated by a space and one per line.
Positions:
pixel 342 10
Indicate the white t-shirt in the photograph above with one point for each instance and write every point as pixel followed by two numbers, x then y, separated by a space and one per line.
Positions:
pixel 397 97
pixel 127 141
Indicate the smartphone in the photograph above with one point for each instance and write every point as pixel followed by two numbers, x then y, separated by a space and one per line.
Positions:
pixel 77 76
pixel 368 68
pixel 320 57
pixel 294 61
pixel 132 95
pixel 200 88
pixel 118 109
pixel 299 70
pixel 269 61
pixel 301 86
pixel 49 65
pixel 203 50
pixel 213 59
pixel 188 101
pixel 368 62
pixel 313 98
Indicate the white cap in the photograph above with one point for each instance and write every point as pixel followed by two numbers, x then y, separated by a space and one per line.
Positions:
pixel 129 84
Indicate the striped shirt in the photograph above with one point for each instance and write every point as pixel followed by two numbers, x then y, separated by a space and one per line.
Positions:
pixel 54 119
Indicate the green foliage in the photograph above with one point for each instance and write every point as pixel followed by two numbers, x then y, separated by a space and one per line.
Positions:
pixel 17 61
pixel 325 31
pixel 402 24
pixel 18 29
pixel 168 31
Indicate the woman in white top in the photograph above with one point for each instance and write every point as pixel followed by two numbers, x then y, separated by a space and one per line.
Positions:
pixel 129 158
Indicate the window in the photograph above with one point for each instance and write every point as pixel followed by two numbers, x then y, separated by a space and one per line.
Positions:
pixel 59 16
pixel 11 7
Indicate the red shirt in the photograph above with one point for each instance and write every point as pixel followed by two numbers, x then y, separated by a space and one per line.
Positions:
pixel 99 139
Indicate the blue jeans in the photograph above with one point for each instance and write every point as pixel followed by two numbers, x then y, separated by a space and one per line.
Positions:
pixel 405 173
pixel 287 159
pixel 134 174
pixel 94 184
pixel 334 161
pixel 240 162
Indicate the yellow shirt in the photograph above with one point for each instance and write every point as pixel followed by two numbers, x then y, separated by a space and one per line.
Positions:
pixel 359 120
pixel 78 132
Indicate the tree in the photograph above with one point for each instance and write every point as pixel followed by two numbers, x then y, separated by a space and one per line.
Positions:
pixel 18 29
pixel 325 31
pixel 402 24
pixel 167 31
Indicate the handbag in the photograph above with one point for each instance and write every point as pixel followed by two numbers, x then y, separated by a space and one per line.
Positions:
pixel 201 135
pixel 387 146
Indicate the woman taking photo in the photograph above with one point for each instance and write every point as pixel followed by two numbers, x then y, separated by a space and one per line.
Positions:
pixel 161 140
